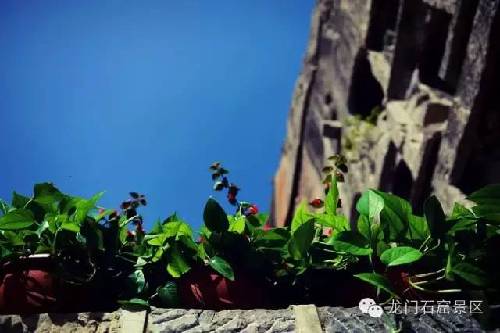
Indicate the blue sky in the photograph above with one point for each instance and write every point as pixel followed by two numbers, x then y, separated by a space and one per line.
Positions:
pixel 123 96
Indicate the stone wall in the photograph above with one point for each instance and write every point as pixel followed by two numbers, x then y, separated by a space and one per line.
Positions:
pixel 329 319
pixel 431 66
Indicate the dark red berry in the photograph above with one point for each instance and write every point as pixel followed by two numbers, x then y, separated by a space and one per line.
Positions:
pixel 316 203
pixel 126 204
pixel 251 210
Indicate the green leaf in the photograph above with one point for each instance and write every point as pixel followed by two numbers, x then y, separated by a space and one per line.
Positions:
pixel 488 195
pixel 5 251
pixel 168 295
pixel 394 216
pixel 201 251
pixel 4 207
pixel 274 238
pixel 42 227
pixel 332 198
pixel 487 212
pixel 214 216
pixel 419 228
pixel 400 255
pixel 363 225
pixel 14 238
pixel 351 242
pixel 436 218
pixel 301 240
pixel 70 227
pixel 177 265
pixel 158 254
pixel 177 229
pixel 301 216
pixel 103 214
pixel 136 304
pixel 238 225
pixel 155 241
pixel 17 219
pixel 82 207
pixel 47 195
pixel 222 267
pixel 460 211
pixel 370 205
pixel 376 280
pixel 19 201
pixel 471 274
pixel 171 218
pixel 138 281
pixel 156 228
pixel 462 224
pixel 338 223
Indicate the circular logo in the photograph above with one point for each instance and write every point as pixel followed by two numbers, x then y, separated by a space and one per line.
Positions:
pixel 365 303
pixel 375 311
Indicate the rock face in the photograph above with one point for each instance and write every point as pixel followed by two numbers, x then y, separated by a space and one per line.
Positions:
pixel 432 67
pixel 331 319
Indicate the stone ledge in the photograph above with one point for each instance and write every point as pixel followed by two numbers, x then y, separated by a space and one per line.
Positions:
pixel 332 319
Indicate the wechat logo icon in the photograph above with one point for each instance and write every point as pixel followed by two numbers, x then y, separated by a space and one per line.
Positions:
pixel 368 305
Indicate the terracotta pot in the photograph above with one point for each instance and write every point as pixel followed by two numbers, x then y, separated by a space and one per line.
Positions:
pixel 28 285
pixel 31 285
pixel 203 288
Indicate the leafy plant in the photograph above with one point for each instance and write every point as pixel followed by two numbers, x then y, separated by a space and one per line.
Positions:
pixel 398 253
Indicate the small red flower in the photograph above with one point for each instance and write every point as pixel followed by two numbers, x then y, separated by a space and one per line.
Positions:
pixel 267 226
pixel 130 234
pixel 316 203
pixel 251 210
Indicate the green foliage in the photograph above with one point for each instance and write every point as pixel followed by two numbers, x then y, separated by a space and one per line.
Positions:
pixel 431 253
pixel 168 295
pixel 214 216
pixel 222 266
pixel 352 243
pixel 17 219
pixel 400 255
pixel 376 280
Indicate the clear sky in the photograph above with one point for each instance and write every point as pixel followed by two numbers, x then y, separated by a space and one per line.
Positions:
pixel 122 95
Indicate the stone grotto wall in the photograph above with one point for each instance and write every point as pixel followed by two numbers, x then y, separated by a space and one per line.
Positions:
pixel 432 67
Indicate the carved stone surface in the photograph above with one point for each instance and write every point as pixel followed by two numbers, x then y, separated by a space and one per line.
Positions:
pixel 432 66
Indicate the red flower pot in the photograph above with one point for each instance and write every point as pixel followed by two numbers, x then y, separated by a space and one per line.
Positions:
pixel 204 288
pixel 28 285
pixel 31 285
